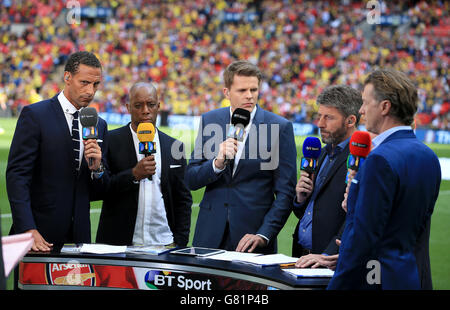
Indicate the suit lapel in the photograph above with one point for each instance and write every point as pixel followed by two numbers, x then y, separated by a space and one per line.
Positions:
pixel 223 120
pixel 129 150
pixel 340 159
pixel 321 159
pixel 165 151
pixel 61 123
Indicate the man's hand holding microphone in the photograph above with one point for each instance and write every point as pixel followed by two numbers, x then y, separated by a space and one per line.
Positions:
pixel 146 167
pixel 305 186
pixel 360 146
pixel 228 148
pixel 311 152
pixel 227 151
pixel 92 151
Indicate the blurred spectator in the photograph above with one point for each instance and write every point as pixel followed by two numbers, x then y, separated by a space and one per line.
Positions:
pixel 182 46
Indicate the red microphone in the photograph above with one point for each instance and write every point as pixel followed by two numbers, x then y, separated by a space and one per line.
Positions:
pixel 360 144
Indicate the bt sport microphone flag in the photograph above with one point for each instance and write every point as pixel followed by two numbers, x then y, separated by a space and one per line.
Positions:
pixel 311 152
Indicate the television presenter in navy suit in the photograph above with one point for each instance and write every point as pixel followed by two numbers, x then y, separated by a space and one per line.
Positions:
pixel 247 201
pixel 49 189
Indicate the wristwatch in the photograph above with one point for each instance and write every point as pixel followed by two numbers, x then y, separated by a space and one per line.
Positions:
pixel 135 181
pixel 99 172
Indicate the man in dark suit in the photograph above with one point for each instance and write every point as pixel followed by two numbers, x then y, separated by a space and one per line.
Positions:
pixel 48 179
pixel 319 196
pixel 2 268
pixel 391 198
pixel 136 210
pixel 247 200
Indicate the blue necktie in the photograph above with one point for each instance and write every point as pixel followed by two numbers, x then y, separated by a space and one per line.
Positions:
pixel 76 141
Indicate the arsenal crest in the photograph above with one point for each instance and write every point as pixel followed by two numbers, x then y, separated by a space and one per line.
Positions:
pixel 71 273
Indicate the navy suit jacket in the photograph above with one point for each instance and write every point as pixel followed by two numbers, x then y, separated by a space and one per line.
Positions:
pixel 2 270
pixel 120 204
pixel 44 190
pixel 258 198
pixel 389 207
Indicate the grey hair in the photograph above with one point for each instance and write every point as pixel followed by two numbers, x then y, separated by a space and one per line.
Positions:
pixel 345 99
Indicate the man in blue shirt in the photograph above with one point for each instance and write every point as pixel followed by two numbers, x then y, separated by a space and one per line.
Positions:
pixel 319 196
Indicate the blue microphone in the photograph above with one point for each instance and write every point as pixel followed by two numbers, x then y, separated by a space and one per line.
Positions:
pixel 311 152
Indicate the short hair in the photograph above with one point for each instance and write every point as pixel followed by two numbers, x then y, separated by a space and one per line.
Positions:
pixel 345 99
pixel 398 89
pixel 81 58
pixel 149 86
pixel 241 68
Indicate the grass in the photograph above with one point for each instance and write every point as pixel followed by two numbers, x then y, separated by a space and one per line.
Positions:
pixel 440 229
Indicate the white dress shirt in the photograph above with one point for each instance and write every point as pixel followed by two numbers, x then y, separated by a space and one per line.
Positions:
pixel 69 109
pixel 152 227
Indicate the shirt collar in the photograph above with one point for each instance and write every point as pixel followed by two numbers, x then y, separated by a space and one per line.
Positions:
pixel 65 104
pixel 337 149
pixel 383 136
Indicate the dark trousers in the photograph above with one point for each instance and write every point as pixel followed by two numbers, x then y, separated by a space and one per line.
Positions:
pixel 298 250
pixel 225 244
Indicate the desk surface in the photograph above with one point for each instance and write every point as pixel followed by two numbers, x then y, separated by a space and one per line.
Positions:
pixel 138 271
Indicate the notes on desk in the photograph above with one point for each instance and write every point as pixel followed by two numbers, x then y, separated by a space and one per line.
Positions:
pixel 232 256
pixel 97 248
pixel 254 258
pixel 149 249
pixel 310 272
pixel 273 260
pixel 269 260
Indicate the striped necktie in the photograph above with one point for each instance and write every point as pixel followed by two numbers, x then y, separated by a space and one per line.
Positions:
pixel 76 141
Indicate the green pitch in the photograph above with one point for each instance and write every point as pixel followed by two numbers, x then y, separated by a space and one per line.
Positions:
pixel 440 229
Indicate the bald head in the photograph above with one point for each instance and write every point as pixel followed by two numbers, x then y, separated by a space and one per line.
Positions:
pixel 143 105
pixel 149 87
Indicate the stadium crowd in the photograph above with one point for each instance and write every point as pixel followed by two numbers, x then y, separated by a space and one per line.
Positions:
pixel 183 47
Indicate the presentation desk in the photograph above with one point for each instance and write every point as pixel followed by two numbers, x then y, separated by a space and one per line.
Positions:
pixel 44 271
